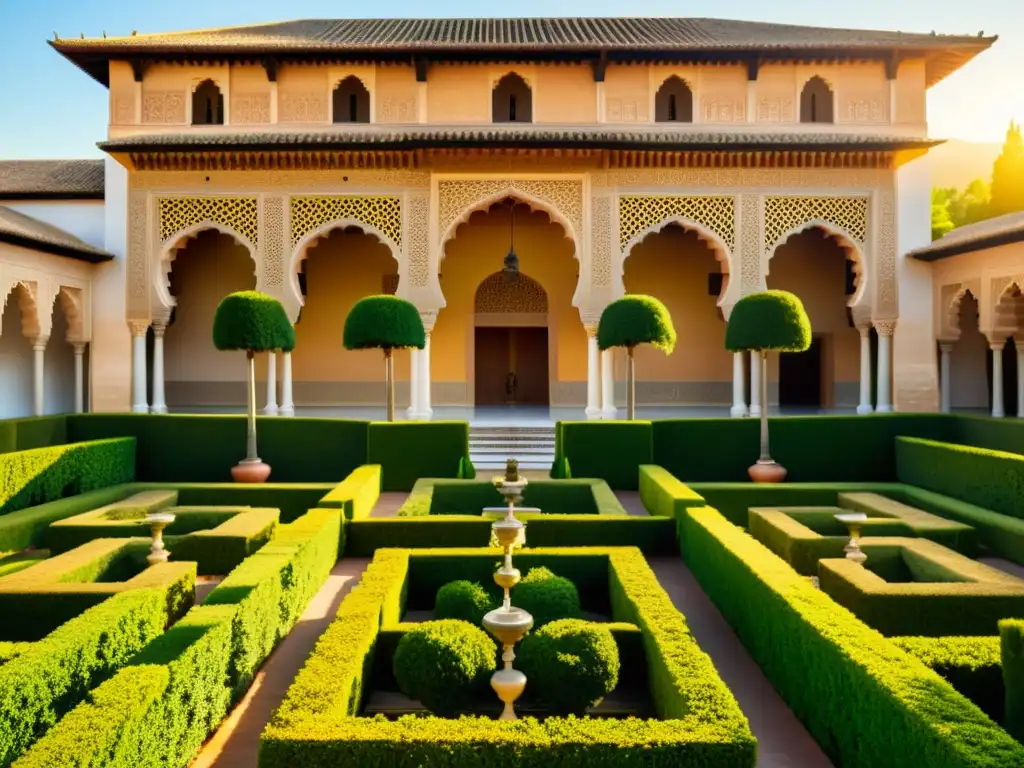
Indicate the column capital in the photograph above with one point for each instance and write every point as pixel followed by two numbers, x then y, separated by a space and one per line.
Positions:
pixel 995 342
pixel 591 331
pixel 885 327
pixel 138 327
pixel 428 318
pixel 946 346
pixel 79 347
pixel 864 329
pixel 39 343
pixel 159 328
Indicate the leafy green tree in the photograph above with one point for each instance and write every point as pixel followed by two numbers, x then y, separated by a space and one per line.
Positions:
pixel 630 321
pixel 762 322
pixel 1008 175
pixel 386 323
pixel 254 322
pixel 941 222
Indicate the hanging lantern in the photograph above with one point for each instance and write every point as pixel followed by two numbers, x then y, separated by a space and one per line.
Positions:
pixel 511 268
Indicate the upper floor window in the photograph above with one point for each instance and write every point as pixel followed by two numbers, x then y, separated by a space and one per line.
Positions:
pixel 512 101
pixel 351 101
pixel 674 102
pixel 816 102
pixel 207 104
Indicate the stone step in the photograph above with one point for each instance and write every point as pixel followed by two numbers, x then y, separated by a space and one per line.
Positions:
pixel 510 452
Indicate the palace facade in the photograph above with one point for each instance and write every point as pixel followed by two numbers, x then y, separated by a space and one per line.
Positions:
pixel 321 161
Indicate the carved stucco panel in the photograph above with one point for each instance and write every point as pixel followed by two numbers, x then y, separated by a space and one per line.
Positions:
pixel 638 213
pixel 497 294
pixel 239 214
pixel 456 199
pixel 601 240
pixel 749 251
pixel 272 240
pixel 138 255
pixel 382 212
pixel 166 107
pixel 886 288
pixel 785 214
pixel 417 238
pixel 300 181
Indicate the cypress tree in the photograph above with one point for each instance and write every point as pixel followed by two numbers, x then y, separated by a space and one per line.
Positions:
pixel 1008 175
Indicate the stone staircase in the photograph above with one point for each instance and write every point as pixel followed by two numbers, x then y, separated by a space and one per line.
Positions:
pixel 533 447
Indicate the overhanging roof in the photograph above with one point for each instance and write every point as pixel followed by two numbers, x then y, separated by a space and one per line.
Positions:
pixel 51 179
pixel 532 136
pixel 991 233
pixel 523 39
pixel 18 229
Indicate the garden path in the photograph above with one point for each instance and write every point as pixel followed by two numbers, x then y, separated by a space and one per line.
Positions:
pixel 783 742
pixel 236 743
pixel 388 503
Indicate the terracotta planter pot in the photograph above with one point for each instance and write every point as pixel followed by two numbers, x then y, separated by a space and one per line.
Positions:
pixel 250 472
pixel 767 472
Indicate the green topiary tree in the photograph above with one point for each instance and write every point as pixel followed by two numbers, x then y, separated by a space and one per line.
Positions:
pixel 547 597
pixel 570 665
pixel 465 600
pixel 254 322
pixel 634 320
pixel 763 322
pixel 387 323
pixel 444 664
pixel 1011 634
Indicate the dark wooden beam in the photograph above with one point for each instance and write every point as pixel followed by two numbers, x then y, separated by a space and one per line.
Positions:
pixel 892 65
pixel 138 69
pixel 270 65
pixel 753 65
pixel 421 65
pixel 600 65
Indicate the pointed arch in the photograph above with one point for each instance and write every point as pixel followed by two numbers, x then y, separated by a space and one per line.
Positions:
pixel 294 301
pixel 26 293
pixel 817 101
pixel 179 240
pixel 1008 307
pixel 497 295
pixel 847 242
pixel 207 104
pixel 70 301
pixel 673 102
pixel 350 101
pixel 512 100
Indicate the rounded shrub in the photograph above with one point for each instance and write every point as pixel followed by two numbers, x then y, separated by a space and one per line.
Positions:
pixel 252 321
pixel 465 600
pixel 569 665
pixel 774 320
pixel 636 319
pixel 384 322
pixel 546 597
pixel 444 664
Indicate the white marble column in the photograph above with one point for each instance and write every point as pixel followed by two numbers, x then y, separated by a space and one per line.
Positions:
pixel 426 411
pixel 945 350
pixel 865 370
pixel 755 384
pixel 139 402
pixel 271 407
pixel 159 400
pixel 996 345
pixel 79 347
pixel 415 396
pixel 608 410
pixel 1020 378
pixel 287 406
pixel 38 375
pixel 884 388
pixel 739 395
pixel 593 375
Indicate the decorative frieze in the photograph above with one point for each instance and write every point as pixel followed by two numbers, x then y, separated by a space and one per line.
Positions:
pixel 302 108
pixel 163 107
pixel 641 213
pixel 239 214
pixel 786 214
pixel 778 110
pixel 399 111
pixel 622 111
pixel 723 111
pixel 381 212
pixel 250 108
pixel 497 294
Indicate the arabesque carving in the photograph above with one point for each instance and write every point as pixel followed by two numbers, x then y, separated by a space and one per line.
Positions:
pixel 638 213
pixel 382 212
pixel 138 253
pixel 302 108
pixel 417 241
pixel 249 108
pixel 239 214
pixel 272 237
pixel 785 214
pixel 749 256
pixel 163 107
pixel 497 294
pixel 886 293
pixel 458 199
pixel 601 240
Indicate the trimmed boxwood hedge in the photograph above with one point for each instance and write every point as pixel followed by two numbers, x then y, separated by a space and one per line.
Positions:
pixel 972 665
pixel 317 723
pixel 49 677
pixel 866 702
pixel 1011 636
pixel 407 451
pixel 356 494
pixel 40 475
pixel 607 450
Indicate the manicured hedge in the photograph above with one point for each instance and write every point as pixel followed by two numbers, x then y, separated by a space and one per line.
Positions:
pixel 39 599
pixel 50 676
pixel 407 451
pixel 990 479
pixel 612 451
pixel 299 450
pixel 439 496
pixel 663 495
pixel 356 494
pixel 721 450
pixel 219 550
pixel 33 432
pixel 317 724
pixel 866 702
pixel 1011 636
pixel 271 589
pixel 972 665
pixel 27 527
pixel 652 535
pixel 985 432
pixel 36 476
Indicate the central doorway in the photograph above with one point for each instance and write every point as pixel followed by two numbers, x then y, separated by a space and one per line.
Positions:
pixel 800 375
pixel 511 366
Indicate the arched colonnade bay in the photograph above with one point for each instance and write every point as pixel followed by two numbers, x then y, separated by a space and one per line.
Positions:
pixel 578 242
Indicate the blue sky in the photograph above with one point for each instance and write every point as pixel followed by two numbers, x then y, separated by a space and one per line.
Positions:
pixel 51 109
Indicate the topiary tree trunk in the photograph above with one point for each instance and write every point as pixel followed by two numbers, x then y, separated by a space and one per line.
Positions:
pixel 763 385
pixel 389 382
pixel 250 428
pixel 630 384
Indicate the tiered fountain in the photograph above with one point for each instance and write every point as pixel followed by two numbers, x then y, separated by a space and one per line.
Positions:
pixel 157 522
pixel 853 522
pixel 508 623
